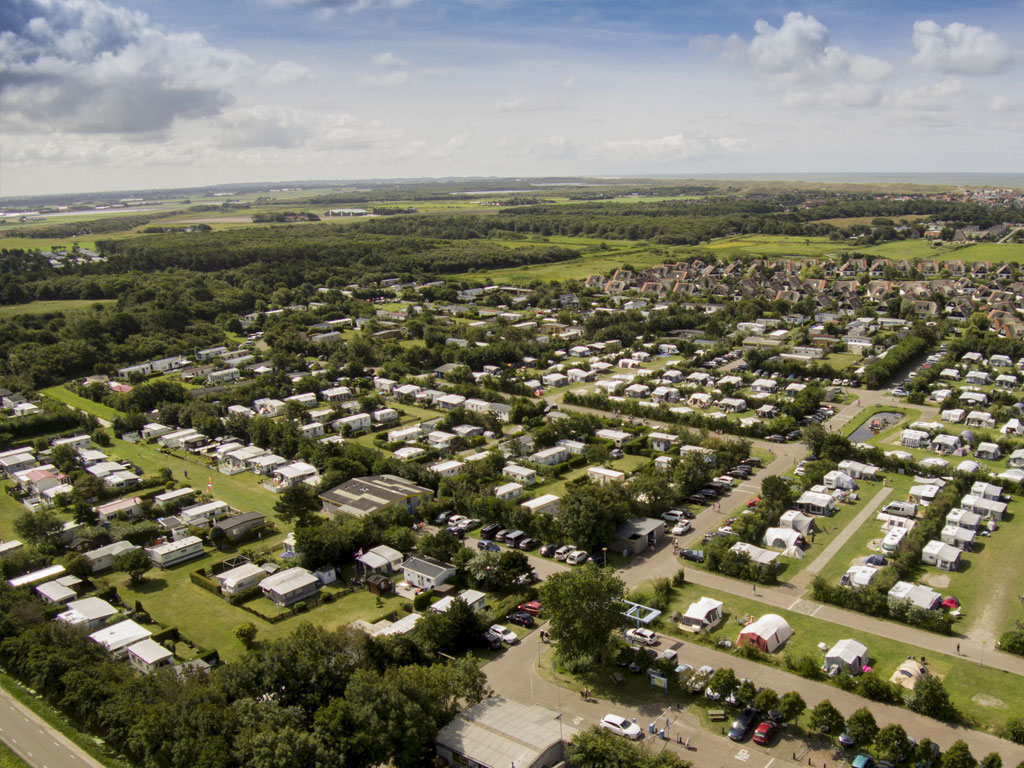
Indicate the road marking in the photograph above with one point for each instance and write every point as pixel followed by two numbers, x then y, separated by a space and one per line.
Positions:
pixel 793 604
pixel 743 755
pixel 820 606
pixel 769 763
pixel 577 720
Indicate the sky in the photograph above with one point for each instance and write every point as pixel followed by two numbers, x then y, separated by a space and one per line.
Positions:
pixel 142 94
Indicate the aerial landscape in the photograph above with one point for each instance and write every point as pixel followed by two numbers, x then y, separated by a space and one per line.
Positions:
pixel 497 384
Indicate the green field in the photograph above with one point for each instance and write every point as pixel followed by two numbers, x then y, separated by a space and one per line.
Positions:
pixel 44 307
pixel 923 249
pixel 772 245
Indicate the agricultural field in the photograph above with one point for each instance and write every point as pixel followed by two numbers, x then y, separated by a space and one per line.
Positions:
pixel 8 311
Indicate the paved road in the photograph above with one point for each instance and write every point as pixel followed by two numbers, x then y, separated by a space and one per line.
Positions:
pixel 35 741
pixel 507 676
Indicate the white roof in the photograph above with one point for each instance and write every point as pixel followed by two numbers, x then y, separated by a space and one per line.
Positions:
pixel 702 608
pixel 235 575
pixel 149 651
pixel 288 580
pixel 848 650
pixel 119 635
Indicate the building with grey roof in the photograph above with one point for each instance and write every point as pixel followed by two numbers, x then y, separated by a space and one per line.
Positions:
pixel 498 733
pixel 361 496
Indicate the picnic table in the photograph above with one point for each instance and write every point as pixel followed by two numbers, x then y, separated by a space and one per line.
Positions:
pixel 716 714
pixel 617 678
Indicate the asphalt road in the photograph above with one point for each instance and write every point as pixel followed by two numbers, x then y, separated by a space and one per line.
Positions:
pixel 35 742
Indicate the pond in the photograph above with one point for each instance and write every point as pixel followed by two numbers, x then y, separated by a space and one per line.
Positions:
pixel 874 424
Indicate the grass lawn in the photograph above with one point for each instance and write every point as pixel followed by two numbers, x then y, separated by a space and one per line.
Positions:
pixel 64 395
pixel 772 245
pixel 10 760
pixel 963 679
pixel 10 510
pixel 910 415
pixel 840 361
pixel 44 307
pixel 912 249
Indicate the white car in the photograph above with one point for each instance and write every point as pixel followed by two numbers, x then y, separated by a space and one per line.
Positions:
pixel 642 635
pixel 681 528
pixel 578 557
pixel 622 727
pixel 563 552
pixel 506 634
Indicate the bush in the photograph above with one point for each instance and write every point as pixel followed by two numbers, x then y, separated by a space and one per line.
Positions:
pixel 577 664
pixel 680 578
pixel 422 601
pixel 1012 642
pixel 1014 730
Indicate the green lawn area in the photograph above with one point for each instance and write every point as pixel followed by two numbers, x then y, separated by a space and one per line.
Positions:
pixel 773 245
pixel 64 395
pixel 912 249
pixel 44 307
pixel 963 679
pixel 840 361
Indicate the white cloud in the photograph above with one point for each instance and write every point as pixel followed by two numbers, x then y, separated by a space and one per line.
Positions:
pixel 348 6
pixel 286 73
pixel 677 146
pixel 388 60
pixel 960 49
pixel 389 80
pixel 931 97
pixel 95 68
pixel 571 83
pixel 529 104
pixel 1001 104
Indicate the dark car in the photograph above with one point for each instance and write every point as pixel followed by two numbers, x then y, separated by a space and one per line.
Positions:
pixel 775 438
pixel 488 545
pixel 501 534
pixel 743 723
pixel 443 517
pixel 796 434
pixel 708 492
pixel 752 461
pixel 522 618
pixel 548 550
pixel 488 531
pixel 693 555
pixel 597 558
pixel 457 532
pixel 696 498
pixel 529 543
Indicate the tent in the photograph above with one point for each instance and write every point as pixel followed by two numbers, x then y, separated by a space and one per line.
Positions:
pixel 768 633
pixel 703 614
pixel 908 673
pixel 782 538
pixel 849 655
pixel 797 520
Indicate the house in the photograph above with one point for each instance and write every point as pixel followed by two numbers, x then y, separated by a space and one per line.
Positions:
pixel 202 515
pixel 1016 459
pixel 858 470
pixel 550 456
pixel 523 475
pixel 917 594
pixel 662 441
pixel 546 504
pixel 756 554
pixel 119 508
pixel 499 732
pixel 237 580
pixel 146 656
pixel 381 559
pixel 847 655
pixel 290 586
pixel 764 386
pixel 117 637
pixel 176 552
pixel 637 535
pixel 89 612
pixel 471 597
pixel 981 419
pixel 440 439
pixel 509 491
pixel 448 468
pixel 987 490
pixel 604 475
pixel 362 495
pixel 426 573
pixel 103 557
pixel 617 436
pixel 988 451
pixel 732 404
pixel 814 503
pixel 838 480
pixel 357 422
pixel 768 633
pixel 858 576
pixel 241 527
pixel 703 615
pixel 943 556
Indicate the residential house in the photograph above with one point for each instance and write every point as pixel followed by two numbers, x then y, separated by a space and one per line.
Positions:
pixel 426 573
pixel 289 586
pixel 362 495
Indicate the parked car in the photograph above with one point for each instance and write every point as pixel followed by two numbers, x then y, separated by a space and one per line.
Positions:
pixel 672 515
pixel 490 546
pixel 529 543
pixel 528 578
pixel 501 534
pixel 622 727
pixel 493 640
pixel 469 524
pixel 564 551
pixel 455 531
pixel 741 725
pixel 456 519
pixel 765 732
pixel 642 635
pixel 532 607
pixel 845 740
pixel 548 550
pixel 522 618
pixel 506 634
pixel 696 498
pixel 681 528
pixel 442 518
pixel 578 557
pixel 693 555
pixel 776 438
pixel 488 531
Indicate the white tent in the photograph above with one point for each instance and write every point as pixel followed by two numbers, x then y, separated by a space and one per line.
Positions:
pixel 849 655
pixel 781 538
pixel 797 520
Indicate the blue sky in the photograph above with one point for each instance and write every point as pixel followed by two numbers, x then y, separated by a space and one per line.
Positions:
pixel 108 94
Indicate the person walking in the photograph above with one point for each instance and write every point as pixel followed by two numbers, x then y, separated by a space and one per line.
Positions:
pixel 958 649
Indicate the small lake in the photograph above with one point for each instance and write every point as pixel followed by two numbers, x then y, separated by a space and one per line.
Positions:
pixel 879 421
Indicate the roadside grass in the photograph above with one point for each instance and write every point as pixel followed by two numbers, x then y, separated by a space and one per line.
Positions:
pixel 66 396
pixel 10 760
pixel 46 307
pixel 963 679
pixel 71 728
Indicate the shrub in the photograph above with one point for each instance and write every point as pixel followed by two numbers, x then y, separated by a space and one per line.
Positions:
pixel 1013 642
pixel 577 664
pixel 422 601
pixel 679 579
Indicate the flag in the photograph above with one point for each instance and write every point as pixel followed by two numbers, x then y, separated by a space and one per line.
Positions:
pixel 209 484
pixel 359 554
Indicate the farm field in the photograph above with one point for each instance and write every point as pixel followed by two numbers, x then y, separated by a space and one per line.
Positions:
pixel 46 307
pixel 771 245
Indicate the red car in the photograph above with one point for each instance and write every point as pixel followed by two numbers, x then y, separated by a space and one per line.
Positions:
pixel 753 502
pixel 765 732
pixel 532 607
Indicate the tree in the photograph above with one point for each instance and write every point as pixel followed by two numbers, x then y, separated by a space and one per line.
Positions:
pixel 441 545
pixel 77 565
pixel 83 513
pixel 991 760
pixel 246 634
pixel 861 726
pixel 745 692
pixel 589 514
pixel 776 494
pixel 827 719
pixel 814 438
pixel 39 528
pixel 298 504
pixel 600 748
pixel 585 606
pixel 766 700
pixel 792 705
pixel 930 698
pixel 511 565
pixel 958 756
pixel 723 682
pixel 134 562
pixel 891 743
pixel 453 631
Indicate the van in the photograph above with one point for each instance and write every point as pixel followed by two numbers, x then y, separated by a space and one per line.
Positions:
pixel 514 538
pixel 672 515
